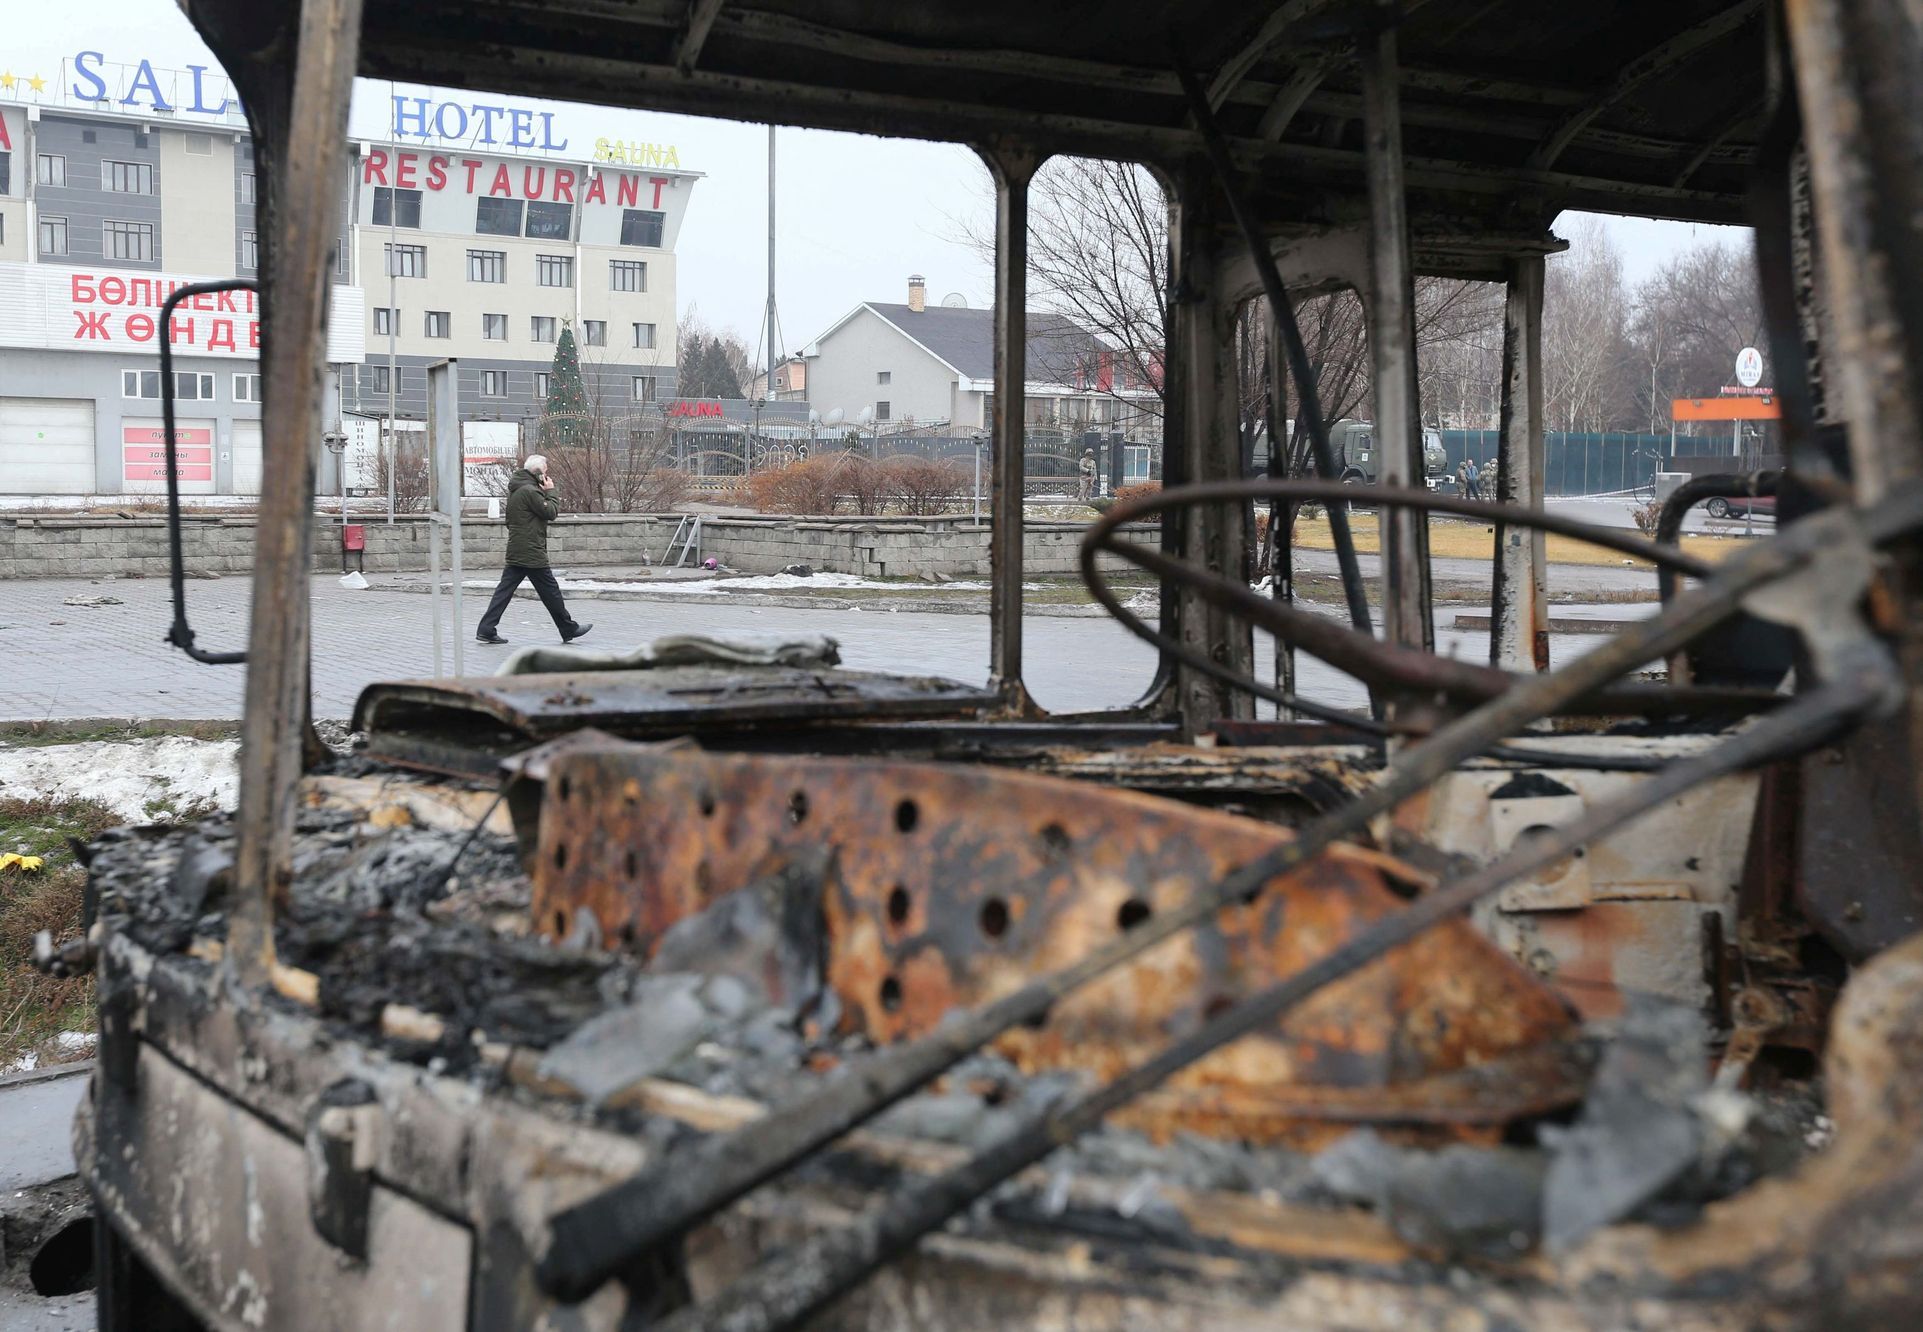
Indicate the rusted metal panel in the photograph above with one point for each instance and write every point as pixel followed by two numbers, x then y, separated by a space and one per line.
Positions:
pixel 1631 914
pixel 952 886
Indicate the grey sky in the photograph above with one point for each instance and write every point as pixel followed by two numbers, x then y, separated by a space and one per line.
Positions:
pixel 856 215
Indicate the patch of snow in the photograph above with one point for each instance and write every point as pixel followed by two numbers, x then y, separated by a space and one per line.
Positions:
pixel 125 775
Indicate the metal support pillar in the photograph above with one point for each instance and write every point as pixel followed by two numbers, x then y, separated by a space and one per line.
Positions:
pixel 1203 443
pixel 1281 513
pixel 444 458
pixel 303 164
pixel 1519 599
pixel 1012 171
pixel 1406 612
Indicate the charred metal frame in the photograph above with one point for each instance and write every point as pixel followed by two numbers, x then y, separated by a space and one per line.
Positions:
pixel 1858 70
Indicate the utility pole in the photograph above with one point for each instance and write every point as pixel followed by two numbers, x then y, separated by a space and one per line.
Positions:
pixel 393 305
pixel 768 390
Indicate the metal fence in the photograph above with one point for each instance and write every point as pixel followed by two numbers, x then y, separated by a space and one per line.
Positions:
pixel 1609 463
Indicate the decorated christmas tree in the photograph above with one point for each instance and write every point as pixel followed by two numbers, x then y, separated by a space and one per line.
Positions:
pixel 564 422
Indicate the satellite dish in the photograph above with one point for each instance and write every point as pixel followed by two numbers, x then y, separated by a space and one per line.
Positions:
pixel 867 415
pixel 814 417
pixel 954 300
pixel 836 417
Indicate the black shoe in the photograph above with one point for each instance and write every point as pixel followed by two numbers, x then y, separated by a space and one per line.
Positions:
pixel 492 640
pixel 579 631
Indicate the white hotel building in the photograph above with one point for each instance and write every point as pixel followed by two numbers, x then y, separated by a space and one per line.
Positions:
pixel 104 209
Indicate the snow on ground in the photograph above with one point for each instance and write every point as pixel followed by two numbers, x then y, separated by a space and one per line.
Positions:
pixel 63 1048
pixel 754 583
pixel 135 779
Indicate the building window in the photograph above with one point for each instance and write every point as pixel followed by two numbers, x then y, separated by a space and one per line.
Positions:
pixel 249 250
pixel 247 187
pixel 494 327
pixel 127 177
pixel 627 275
pixel 198 145
pixel 6 173
pixel 384 320
pixel 549 221
pixel 541 328
pixel 498 217
pixel 493 383
pixel 192 387
pixel 487 265
pixel 53 235
pixel 644 388
pixel 127 240
pixel 553 270
pixel 410 209
pixel 50 169
pixel 881 411
pixel 596 331
pixel 408 261
pixel 541 379
pixel 644 336
pixel 377 380
pixel 884 376
pixel 246 388
pixel 640 226
pixel 140 383
pixel 439 324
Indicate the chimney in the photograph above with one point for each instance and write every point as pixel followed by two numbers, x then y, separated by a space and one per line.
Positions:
pixel 917 293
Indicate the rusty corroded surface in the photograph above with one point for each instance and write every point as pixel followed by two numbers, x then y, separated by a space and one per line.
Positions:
pixel 953 886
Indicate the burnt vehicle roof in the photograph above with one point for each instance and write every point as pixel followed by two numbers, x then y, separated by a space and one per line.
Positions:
pixel 1512 110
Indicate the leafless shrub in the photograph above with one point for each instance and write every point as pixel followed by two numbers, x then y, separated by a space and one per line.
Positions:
pixel 413 478
pixel 865 481
pixel 1647 515
pixel 812 486
pixel 922 486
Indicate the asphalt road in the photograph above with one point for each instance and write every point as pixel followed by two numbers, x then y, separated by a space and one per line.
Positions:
pixel 67 661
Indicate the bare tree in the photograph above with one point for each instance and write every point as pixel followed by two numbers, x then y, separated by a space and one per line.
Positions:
pixel 1585 352
pixel 1701 308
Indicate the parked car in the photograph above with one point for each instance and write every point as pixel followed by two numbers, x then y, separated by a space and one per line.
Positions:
pixel 1737 505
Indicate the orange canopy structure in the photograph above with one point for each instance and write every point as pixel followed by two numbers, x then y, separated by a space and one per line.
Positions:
pixel 1725 409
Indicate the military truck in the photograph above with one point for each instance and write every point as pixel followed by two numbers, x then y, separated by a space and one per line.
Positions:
pixel 1355 453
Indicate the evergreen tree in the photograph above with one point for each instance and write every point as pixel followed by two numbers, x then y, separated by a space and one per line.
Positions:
pixel 718 378
pixel 691 366
pixel 565 421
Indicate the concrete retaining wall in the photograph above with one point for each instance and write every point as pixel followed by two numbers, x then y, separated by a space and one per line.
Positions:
pixel 62 547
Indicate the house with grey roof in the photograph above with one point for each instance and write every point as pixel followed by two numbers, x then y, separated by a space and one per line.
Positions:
pixel 890 367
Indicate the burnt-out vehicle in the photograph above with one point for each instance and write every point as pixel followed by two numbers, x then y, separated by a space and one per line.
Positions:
pixel 718 986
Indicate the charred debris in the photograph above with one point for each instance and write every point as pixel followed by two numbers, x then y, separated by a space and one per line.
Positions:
pixel 727 988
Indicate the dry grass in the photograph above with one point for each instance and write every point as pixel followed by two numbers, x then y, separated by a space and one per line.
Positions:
pixel 1477 541
pixel 34 1007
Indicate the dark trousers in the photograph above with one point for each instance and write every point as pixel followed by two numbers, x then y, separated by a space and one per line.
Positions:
pixel 544 584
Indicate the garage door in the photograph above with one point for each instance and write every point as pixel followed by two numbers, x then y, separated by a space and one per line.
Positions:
pixel 246 460
pixel 46 446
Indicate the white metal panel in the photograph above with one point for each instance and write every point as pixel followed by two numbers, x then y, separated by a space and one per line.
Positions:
pixel 246 459
pixel 47 446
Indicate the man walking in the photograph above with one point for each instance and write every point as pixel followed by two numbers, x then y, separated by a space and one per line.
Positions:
pixel 531 506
